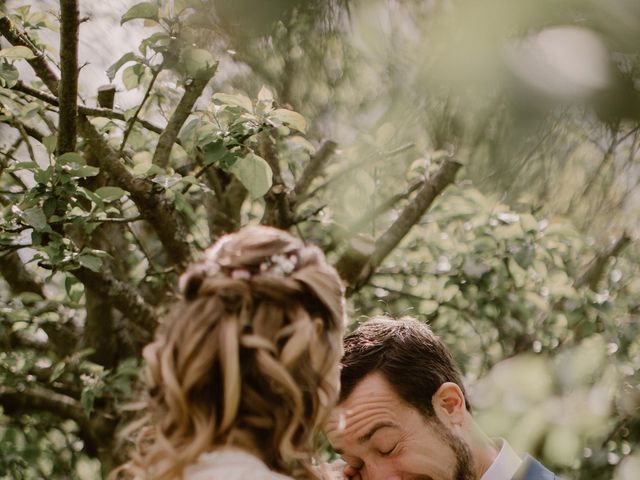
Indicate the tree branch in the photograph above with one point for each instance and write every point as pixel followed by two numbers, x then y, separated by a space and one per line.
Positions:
pixel 356 268
pixel 151 203
pixel 17 124
pixel 168 137
pixel 597 266
pixel 148 197
pixel 37 399
pixel 277 210
pixel 384 207
pixel 122 296
pixel 68 91
pixel 63 335
pixel 38 63
pixel 17 276
pixel 315 166
pixel 223 208
pixel 88 111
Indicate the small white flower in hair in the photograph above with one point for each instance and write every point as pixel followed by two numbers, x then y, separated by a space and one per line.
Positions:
pixel 240 274
pixel 281 265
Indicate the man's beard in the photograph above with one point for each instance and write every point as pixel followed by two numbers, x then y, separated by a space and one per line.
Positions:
pixel 464 460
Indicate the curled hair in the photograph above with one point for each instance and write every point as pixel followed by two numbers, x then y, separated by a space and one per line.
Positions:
pixel 244 359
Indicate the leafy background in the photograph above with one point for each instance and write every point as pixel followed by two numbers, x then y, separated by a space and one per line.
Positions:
pixel 474 166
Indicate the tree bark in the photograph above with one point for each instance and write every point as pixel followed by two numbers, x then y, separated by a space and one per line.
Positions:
pixel 68 86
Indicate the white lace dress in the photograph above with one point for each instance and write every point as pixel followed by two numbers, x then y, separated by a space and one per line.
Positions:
pixel 230 464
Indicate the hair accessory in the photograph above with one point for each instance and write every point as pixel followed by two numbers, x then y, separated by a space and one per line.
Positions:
pixel 279 265
pixel 240 274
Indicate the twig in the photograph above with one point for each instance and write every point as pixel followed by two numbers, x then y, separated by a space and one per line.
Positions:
pixel 606 158
pixel 25 137
pixel 117 220
pixel 303 218
pixel 131 122
pixel 26 129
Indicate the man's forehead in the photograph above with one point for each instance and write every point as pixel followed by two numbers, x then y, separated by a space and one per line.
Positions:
pixel 372 400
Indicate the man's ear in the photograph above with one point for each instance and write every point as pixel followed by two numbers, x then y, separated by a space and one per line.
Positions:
pixel 449 404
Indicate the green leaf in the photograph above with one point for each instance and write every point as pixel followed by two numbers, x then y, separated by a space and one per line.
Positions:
pixel 197 61
pixel 30 298
pixel 265 96
pixel 113 69
pixel 427 307
pixel 73 288
pixel 132 76
pixel 49 206
pixel 289 117
pixel 50 142
pixel 110 194
pixel 216 153
pixel 182 205
pixel 31 109
pixel 129 368
pixel 254 173
pixel 57 371
pixel 17 52
pixel 91 262
pixel 158 42
pixel 33 166
pixel 89 195
pixel 35 217
pixel 43 176
pixel 237 100
pixel 84 171
pixel 71 158
pixel 87 398
pixel 146 10
pixel 518 274
pixel 8 75
pixel 167 181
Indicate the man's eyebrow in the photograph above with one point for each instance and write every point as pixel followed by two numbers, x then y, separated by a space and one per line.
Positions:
pixel 374 429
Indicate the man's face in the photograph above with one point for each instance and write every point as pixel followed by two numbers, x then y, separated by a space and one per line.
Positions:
pixel 383 437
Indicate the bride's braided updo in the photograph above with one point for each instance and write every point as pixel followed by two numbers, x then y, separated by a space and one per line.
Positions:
pixel 247 358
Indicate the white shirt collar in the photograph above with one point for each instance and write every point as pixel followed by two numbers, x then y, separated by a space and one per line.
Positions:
pixel 506 464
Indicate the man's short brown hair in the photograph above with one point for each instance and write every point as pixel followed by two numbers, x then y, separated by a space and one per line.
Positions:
pixel 407 353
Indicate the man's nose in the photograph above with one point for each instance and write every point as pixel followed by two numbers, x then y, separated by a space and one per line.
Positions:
pixel 377 471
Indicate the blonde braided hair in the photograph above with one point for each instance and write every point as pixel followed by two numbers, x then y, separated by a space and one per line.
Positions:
pixel 248 358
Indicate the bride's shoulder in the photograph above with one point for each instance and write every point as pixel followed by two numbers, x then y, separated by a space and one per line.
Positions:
pixel 230 464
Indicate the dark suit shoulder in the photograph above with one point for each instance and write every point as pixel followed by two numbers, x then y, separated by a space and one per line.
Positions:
pixel 532 469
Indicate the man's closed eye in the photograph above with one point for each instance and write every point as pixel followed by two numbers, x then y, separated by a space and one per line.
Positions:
pixel 386 453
